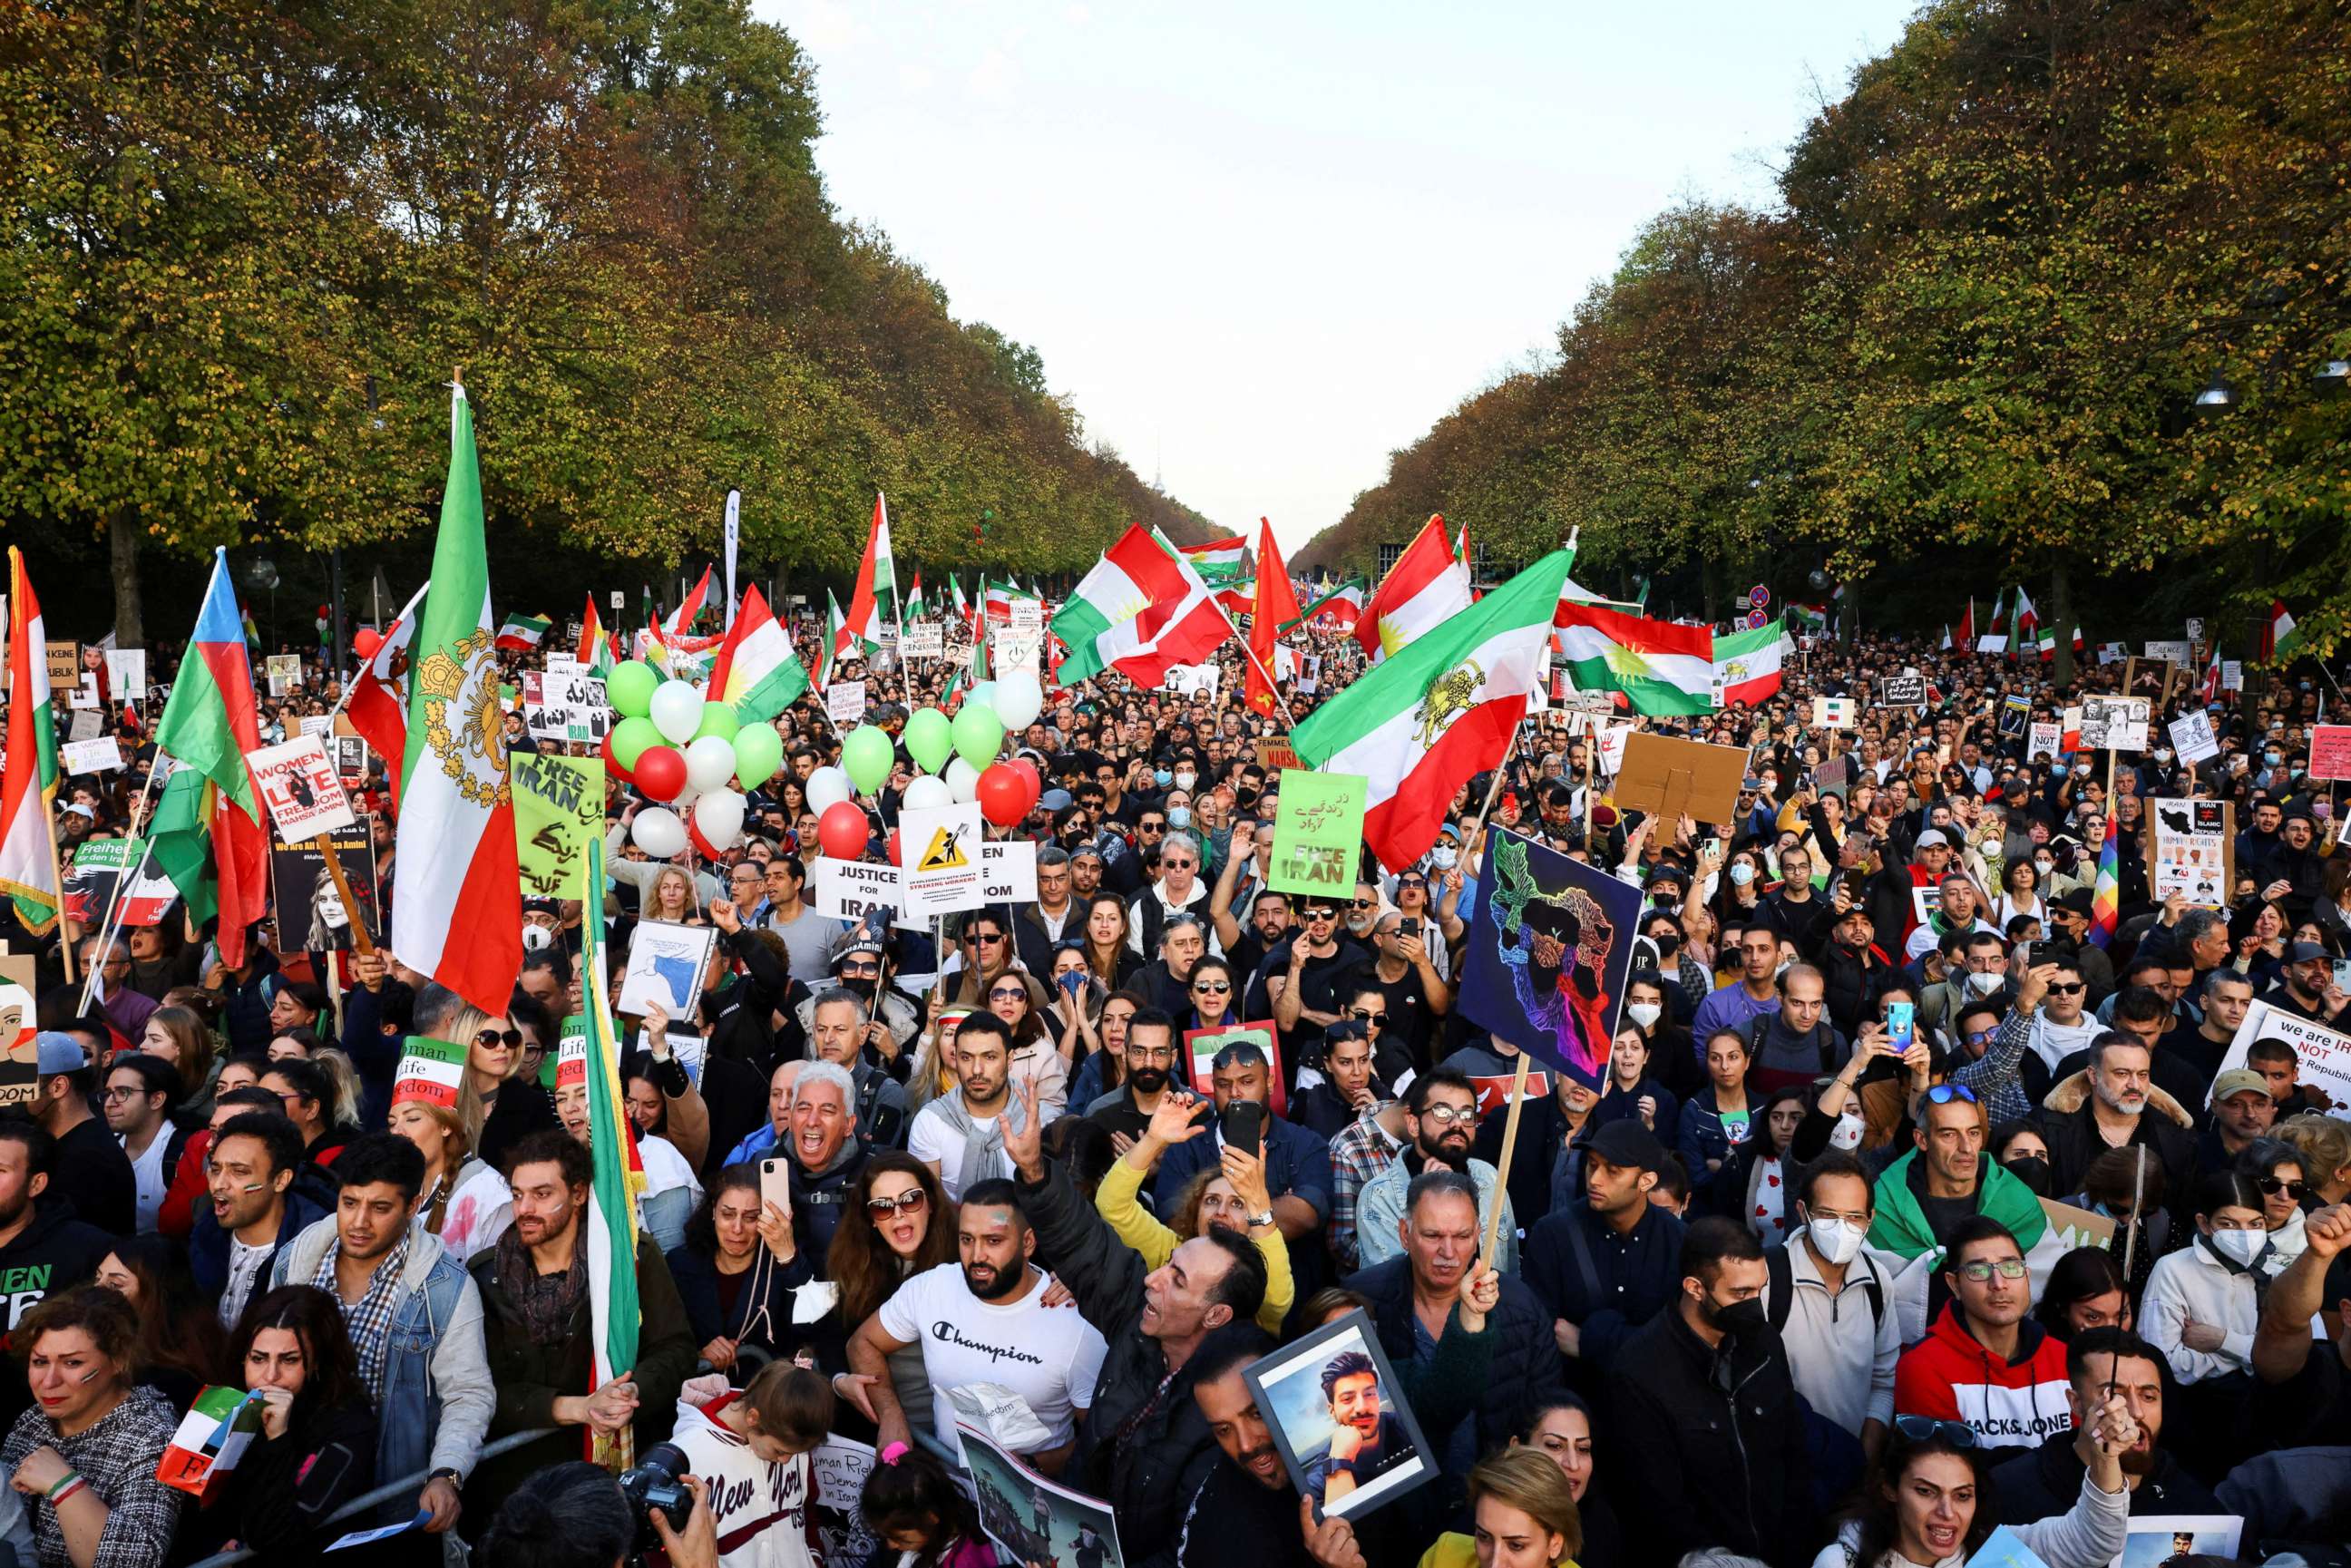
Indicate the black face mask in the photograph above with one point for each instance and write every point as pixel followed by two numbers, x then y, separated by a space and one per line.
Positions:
pixel 1739 1319
pixel 860 986
pixel 1667 944
pixel 1245 797
pixel 2031 1170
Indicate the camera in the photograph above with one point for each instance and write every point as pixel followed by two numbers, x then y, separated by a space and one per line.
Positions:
pixel 652 1484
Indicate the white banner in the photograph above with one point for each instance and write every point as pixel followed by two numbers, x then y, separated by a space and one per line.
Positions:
pixel 942 846
pixel 298 785
pixel 851 890
pixel 1007 869
pixel 1185 680
pixel 845 701
pixel 923 642
pixel 2323 1056
pixel 2191 737
pixel 90 756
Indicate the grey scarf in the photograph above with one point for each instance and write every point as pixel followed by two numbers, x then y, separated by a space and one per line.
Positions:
pixel 983 1143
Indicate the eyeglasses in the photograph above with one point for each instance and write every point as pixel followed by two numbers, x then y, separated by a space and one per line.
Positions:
pixel 1982 1270
pixel 1919 1428
pixel 1214 987
pixel 1365 903
pixel 1404 881
pixel 1366 1015
pixel 1944 1094
pixel 2271 1186
pixel 1978 1036
pixel 135 1091
pixel 511 1039
pixel 905 1203
pixel 1446 1115
pixel 1151 1053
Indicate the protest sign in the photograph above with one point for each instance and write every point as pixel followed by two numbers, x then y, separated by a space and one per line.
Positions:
pixel 1201 1045
pixel 1008 870
pixel 564 705
pixel 2014 720
pixel 20 1051
pixel 1192 680
pixel 1609 747
pixel 298 785
pixel 666 966
pixel 1671 777
pixel 2174 651
pixel 319 723
pixel 100 755
pixel 1299 1390
pixel 1318 832
pixel 2115 724
pixel 126 673
pixel 2149 678
pixel 2191 851
pixel 351 757
pixel 2233 675
pixel 1902 691
pixel 925 642
pixel 98 865
pixel 1273 753
pixel 286 667
pixel 844 701
pixel 1036 1520
pixel 842 1464
pixel 2113 653
pixel 2323 1055
pixel 1016 644
pixel 2191 736
pixel 942 870
pixel 312 916
pixel 2044 741
pixel 1546 956
pixel 851 890
pixel 83 697
pixel 65 665
pixel 430 1070
pixel 1833 713
pixel 559 809
pixel 2330 751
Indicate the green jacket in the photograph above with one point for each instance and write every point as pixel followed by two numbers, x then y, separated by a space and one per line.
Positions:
pixel 1901 1226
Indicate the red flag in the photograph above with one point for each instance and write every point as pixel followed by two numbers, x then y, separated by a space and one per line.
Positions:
pixel 1277 605
pixel 1966 640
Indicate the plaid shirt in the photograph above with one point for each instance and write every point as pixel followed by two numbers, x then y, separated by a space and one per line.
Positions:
pixel 117 1455
pixel 1360 1151
pixel 369 1319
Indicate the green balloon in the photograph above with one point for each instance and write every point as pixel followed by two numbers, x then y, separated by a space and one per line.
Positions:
pixel 978 733
pixel 630 738
pixel 929 739
pixel 865 756
pixel 630 689
pixel 758 755
pixel 718 719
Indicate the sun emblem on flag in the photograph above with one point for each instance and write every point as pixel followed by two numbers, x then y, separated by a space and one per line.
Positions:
pixel 1626 664
pixel 462 724
pixel 1450 695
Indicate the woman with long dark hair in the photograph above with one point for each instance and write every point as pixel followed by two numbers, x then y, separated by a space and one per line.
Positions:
pixel 180 1339
pixel 735 1271
pixel 2085 1291
pixel 1561 1428
pixel 899 1224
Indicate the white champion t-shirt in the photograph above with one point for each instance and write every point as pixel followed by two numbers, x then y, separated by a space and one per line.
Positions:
pixel 1051 1356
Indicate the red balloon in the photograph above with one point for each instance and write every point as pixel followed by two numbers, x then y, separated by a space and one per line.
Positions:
pixel 842 832
pixel 897 850
pixel 612 763
pixel 1003 795
pixel 693 836
pixel 366 640
pixel 1029 776
pixel 661 772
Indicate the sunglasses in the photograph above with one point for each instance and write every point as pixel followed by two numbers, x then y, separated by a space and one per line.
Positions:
pixel 511 1037
pixel 860 966
pixel 1322 915
pixel 1214 987
pixel 1178 865
pixel 1919 1428
pixel 1364 1015
pixel 1365 903
pixel 2271 1186
pixel 2073 989
pixel 984 936
pixel 1944 1094
pixel 905 1203
pixel 1446 1115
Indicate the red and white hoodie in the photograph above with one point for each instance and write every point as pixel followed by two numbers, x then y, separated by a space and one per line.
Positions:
pixel 2010 1403
pixel 766 1513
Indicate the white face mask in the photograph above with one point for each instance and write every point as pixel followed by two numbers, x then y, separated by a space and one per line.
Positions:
pixel 2240 1247
pixel 1185 780
pixel 1742 874
pixel 535 937
pixel 2044 867
pixel 1846 1134
pixel 1834 1240
pixel 1645 1014
pixel 1984 985
pixel 1444 857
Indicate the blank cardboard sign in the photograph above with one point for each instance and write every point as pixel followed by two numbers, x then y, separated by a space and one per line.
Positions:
pixel 1669 778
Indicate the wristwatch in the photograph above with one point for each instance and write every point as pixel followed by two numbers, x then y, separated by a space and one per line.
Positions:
pixel 446 1473
pixel 1257 1219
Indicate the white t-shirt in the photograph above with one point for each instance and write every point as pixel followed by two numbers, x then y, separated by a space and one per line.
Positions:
pixel 1051 1356
pixel 933 1138
pixel 148 1173
pixel 245 1267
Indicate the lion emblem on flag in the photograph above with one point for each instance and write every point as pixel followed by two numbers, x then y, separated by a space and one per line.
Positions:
pixel 462 725
pixel 1450 695
pixel 1734 673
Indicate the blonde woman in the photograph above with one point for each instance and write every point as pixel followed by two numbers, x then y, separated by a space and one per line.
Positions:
pixel 496 1106
pixel 934 1072
pixel 1525 1516
pixel 464 1203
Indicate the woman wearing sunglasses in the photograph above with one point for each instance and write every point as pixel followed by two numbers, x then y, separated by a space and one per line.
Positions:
pixel 1214 995
pixel 1015 997
pixel 1925 1502
pixel 2274 1168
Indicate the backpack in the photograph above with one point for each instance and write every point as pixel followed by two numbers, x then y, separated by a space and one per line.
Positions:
pixel 1782 1273
pixel 1823 1038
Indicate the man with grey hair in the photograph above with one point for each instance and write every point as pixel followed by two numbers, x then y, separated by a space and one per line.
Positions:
pixel 827 1157
pixel 838 1028
pixel 1180 889
pixel 125 1009
pixel 1038 925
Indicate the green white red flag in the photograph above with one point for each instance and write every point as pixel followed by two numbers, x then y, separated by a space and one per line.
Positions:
pixel 1141 610
pixel 29 787
pixel 614 1314
pixel 1747 665
pixel 874 605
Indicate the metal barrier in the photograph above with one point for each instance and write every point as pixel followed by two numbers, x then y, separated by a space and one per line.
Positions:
pixel 407 1486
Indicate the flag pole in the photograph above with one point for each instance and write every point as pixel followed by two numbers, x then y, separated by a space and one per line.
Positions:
pixel 361 942
pixel 106 926
pixel 1502 1167
pixel 56 874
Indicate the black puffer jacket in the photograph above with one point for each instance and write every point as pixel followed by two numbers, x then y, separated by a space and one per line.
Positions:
pixel 1526 1355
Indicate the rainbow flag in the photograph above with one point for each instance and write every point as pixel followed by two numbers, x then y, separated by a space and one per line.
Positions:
pixel 2106 898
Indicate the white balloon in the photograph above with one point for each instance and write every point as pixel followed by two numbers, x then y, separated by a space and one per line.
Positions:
pixel 718 817
pixel 828 786
pixel 709 763
pixel 963 781
pixel 926 792
pixel 658 831
pixel 981 696
pixel 676 711
pixel 1019 699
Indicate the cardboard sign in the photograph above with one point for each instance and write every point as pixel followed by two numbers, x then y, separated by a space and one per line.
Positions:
pixel 1670 778
pixel 2045 742
pixel 1201 1045
pixel 942 874
pixel 1833 713
pixel 851 890
pixel 1007 869
pixel 298 785
pixel 430 1070
pixel 2191 737
pixel 65 665
pixel 311 916
pixel 100 755
pixel 1318 834
pixel 2115 724
pixel 2191 851
pixel 666 963
pixel 844 701
pixel 2330 751
pixel 20 1077
pixel 558 811
pixel 2322 1054
pixel 925 642
pixel 1272 754
pixel 2079 1226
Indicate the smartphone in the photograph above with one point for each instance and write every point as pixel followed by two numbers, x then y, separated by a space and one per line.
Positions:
pixel 1410 927
pixel 1243 1126
pixel 2343 973
pixel 1898 1025
pixel 775 1184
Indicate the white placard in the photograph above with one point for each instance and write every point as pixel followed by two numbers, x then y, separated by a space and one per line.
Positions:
pixel 2113 653
pixel 298 785
pixel 925 642
pixel 84 696
pixel 2195 629
pixel 844 701
pixel 665 965
pixel 2191 737
pixel 2233 675
pixel 2179 653
pixel 2323 1055
pixel 98 756
pixel 1833 713
pixel 2048 739
pixel 2191 852
pixel 851 890
pixel 1612 748
pixel 319 723
pixel 941 847
pixel 126 672
pixel 1186 680
pixel 561 664
pixel 2115 724
pixel 1008 870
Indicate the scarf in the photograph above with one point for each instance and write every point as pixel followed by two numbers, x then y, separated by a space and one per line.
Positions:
pixel 983 1146
pixel 544 1300
pixel 369 1319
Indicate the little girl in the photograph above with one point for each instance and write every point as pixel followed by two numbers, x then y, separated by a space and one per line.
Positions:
pixel 752 1446
pixel 918 1515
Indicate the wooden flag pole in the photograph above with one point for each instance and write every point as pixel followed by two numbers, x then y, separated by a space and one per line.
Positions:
pixel 1502 1169
pixel 58 881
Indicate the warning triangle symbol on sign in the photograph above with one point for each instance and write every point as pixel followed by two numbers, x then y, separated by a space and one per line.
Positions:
pixel 945 852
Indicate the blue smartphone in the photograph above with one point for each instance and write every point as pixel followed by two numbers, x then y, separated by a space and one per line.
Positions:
pixel 1898 1025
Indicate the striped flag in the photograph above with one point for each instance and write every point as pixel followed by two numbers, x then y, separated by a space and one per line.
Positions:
pixel 2106 898
pixel 614 1314
pixel 378 704
pixel 1426 586
pixel 29 787
pixel 519 633
pixel 1995 637
pixel 1218 560
pixel 1747 665
pixel 962 605
pixel 757 672
pixel 828 654
pixel 2277 635
pixel 916 607
pixel 458 918
pixel 875 604
pixel 1342 607
pixel 1141 610
pixel 595 653
pixel 1661 667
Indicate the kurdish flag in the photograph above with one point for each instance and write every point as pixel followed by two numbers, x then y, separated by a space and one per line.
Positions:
pixel 1426 586
pixel 1664 668
pixel 1747 665
pixel 757 674
pixel 595 652
pixel 209 805
pixel 519 633
pixel 614 1315
pixel 28 786
pixel 1219 560
pixel 1439 709
pixel 1139 610
pixel 458 918
pixel 2106 897
pixel 875 603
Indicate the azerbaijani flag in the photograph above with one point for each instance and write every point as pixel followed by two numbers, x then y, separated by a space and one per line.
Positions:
pixel 614 1314
pixel 1440 709
pixel 1219 560
pixel 757 672
pixel 29 787
pixel 875 604
pixel 2106 898
pixel 1141 610
pixel 378 705
pixel 1426 586
pixel 458 919
pixel 519 633
pixel 1747 665
pixel 1662 668
pixel 209 805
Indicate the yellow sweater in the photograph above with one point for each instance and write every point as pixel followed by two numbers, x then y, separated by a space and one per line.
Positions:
pixel 1453 1550
pixel 1133 1225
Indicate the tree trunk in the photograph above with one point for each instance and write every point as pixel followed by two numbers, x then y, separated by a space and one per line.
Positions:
pixel 2061 609
pixel 122 543
pixel 1710 585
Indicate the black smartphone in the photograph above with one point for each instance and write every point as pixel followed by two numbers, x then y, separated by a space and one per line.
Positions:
pixel 1411 925
pixel 1243 1126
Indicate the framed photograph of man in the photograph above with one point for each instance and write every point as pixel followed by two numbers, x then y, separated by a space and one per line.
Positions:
pixel 1339 1418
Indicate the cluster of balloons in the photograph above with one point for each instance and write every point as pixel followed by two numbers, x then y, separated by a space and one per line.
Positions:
pixel 681 750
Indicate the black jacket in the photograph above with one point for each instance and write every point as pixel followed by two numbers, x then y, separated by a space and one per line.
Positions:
pixel 1525 1368
pixel 2074 1142
pixel 282 1492
pixel 2047 1481
pixel 55 1251
pixel 1607 1286
pixel 1714 1446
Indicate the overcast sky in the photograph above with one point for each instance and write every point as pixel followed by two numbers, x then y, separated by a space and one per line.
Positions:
pixel 1264 245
